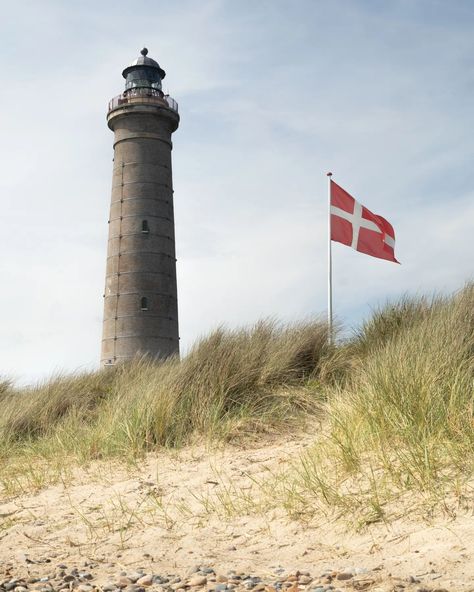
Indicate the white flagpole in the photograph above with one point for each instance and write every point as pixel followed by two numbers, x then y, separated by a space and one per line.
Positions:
pixel 330 333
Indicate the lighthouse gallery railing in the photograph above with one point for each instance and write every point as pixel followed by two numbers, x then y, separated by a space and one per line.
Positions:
pixel 143 95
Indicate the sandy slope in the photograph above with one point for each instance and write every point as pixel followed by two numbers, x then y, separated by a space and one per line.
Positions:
pixel 164 516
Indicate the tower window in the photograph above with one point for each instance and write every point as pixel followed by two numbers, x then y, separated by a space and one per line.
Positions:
pixel 144 303
pixel 145 227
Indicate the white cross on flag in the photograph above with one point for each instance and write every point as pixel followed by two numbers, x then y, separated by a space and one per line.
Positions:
pixel 355 226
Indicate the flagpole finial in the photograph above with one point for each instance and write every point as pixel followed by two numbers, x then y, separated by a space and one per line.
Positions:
pixel 329 174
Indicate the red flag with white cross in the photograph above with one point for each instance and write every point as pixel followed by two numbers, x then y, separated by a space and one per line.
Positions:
pixel 354 225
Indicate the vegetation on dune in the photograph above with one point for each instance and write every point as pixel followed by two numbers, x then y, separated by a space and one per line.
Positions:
pixel 401 418
pixel 395 402
pixel 230 382
pixel 413 391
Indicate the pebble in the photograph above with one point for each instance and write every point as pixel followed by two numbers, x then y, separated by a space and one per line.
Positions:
pixel 197 581
pixel 344 575
pixel 198 578
pixel 134 576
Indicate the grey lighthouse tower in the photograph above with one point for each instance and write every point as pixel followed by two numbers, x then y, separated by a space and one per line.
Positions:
pixel 140 300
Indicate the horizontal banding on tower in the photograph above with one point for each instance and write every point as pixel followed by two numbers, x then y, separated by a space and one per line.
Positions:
pixel 141 256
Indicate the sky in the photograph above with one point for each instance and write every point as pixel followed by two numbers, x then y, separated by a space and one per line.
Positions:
pixel 272 94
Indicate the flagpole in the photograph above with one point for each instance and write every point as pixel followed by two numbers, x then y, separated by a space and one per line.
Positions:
pixel 330 332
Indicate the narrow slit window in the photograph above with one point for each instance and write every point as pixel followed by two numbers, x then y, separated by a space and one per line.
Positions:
pixel 145 227
pixel 144 303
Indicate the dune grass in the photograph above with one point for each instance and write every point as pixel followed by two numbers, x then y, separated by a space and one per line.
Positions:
pixel 411 395
pixel 231 383
pixel 395 405
pixel 400 418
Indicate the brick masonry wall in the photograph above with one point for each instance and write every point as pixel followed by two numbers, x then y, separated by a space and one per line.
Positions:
pixel 141 260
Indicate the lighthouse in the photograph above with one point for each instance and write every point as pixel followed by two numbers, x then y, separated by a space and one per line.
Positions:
pixel 141 299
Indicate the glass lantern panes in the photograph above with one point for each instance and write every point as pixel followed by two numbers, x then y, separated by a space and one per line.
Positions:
pixel 143 78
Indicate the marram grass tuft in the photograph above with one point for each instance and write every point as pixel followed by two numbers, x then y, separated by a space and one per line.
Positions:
pixel 229 383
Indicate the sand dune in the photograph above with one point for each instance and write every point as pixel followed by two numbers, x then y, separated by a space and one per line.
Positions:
pixel 202 507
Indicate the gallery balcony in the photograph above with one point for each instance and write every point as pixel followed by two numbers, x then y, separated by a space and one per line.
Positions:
pixel 143 96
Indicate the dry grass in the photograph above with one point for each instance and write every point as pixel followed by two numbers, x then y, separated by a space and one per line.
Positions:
pixel 400 417
pixel 396 404
pixel 231 383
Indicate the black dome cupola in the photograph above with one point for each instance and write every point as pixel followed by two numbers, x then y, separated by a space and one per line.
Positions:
pixel 143 72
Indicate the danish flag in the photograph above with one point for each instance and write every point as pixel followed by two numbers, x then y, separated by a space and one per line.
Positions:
pixel 355 226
